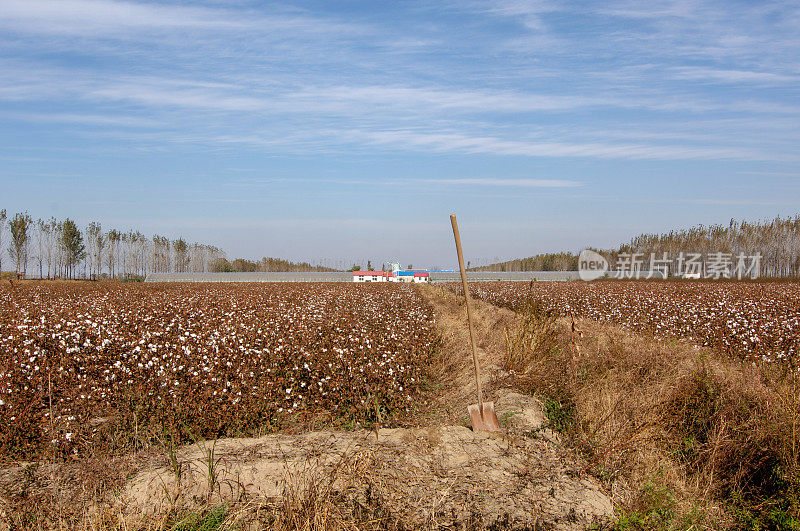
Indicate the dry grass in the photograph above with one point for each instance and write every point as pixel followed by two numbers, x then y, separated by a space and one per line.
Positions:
pixel 60 495
pixel 679 436
pixel 330 500
pixel 81 496
pixel 532 337
pixel 451 365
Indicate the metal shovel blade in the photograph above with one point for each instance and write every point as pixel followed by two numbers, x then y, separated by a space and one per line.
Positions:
pixel 485 420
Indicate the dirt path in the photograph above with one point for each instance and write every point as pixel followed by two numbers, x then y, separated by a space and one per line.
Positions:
pixel 454 366
pixel 441 474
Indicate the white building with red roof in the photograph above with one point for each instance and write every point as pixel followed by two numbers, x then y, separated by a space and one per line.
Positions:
pixel 410 276
pixel 373 276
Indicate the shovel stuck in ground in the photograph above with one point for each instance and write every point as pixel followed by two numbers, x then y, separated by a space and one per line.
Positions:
pixel 482 414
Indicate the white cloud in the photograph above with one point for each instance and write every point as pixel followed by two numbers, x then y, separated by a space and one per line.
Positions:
pixel 734 76
pixel 262 85
pixel 100 120
pixel 456 142
pixel 106 17
pixel 741 202
pixel 406 182
pixel 278 95
pixel 515 183
pixel 122 19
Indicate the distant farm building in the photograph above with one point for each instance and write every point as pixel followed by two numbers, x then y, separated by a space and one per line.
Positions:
pixel 372 276
pixel 413 276
pixel 391 276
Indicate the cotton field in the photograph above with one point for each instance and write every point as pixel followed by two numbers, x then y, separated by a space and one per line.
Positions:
pixel 750 319
pixel 201 360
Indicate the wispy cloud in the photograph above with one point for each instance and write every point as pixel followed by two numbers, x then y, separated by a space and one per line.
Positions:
pixel 454 142
pixel 403 182
pixel 400 117
pixel 697 81
pixel 512 183
pixel 100 120
pixel 109 17
pixel 120 19
pixel 741 202
pixel 278 77
pixel 771 173
pixel 734 76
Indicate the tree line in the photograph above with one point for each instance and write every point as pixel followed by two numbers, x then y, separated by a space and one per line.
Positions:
pixel 265 265
pixel 60 249
pixel 776 240
pixel 563 261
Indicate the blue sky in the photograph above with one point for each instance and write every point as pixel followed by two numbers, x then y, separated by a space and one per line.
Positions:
pixel 353 129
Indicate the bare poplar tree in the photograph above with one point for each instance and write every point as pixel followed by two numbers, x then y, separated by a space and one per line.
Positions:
pixel 20 241
pixel 60 253
pixel 125 241
pixel 99 245
pixel 90 245
pixel 197 258
pixel 181 257
pixel 112 238
pixel 95 241
pixel 142 250
pixel 161 254
pixel 47 230
pixel 40 245
pixel 777 241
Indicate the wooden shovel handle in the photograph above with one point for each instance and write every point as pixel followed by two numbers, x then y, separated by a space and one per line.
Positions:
pixel 469 311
